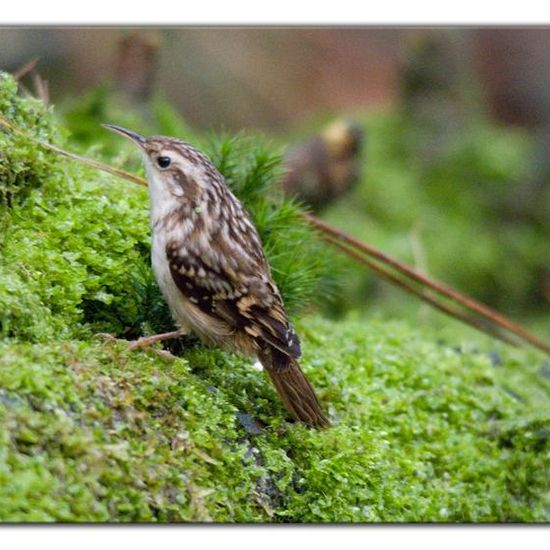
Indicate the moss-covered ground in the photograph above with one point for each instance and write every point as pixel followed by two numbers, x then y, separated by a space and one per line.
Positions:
pixel 423 431
pixel 429 424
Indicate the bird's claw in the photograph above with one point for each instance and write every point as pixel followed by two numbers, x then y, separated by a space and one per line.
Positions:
pixel 141 343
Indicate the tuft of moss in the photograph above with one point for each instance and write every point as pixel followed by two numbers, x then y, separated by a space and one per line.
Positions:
pixel 23 166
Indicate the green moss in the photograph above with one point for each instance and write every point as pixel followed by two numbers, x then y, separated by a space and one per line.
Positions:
pixel 23 166
pixel 75 252
pixel 80 443
pixel 422 432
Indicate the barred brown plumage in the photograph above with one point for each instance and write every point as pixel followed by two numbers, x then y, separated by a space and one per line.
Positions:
pixel 210 265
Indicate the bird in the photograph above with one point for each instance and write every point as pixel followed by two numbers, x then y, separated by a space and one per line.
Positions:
pixel 327 166
pixel 209 263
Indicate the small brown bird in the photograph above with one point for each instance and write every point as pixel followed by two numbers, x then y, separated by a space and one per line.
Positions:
pixel 209 263
pixel 327 166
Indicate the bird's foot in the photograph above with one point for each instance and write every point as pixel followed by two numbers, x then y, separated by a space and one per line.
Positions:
pixel 146 341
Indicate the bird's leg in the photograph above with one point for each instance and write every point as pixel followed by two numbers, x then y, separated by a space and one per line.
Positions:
pixel 146 341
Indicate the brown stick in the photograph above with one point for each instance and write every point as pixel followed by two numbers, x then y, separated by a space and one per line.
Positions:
pixel 422 294
pixel 436 286
pixel 25 69
pixel 42 89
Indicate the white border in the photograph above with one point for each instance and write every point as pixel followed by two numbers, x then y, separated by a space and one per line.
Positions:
pixel 274 12
pixel 266 537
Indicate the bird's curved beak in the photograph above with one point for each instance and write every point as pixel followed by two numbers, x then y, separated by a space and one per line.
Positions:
pixel 138 139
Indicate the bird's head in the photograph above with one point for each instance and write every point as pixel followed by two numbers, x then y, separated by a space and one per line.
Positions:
pixel 176 171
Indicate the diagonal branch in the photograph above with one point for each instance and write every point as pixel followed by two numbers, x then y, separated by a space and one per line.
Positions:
pixel 73 156
pixel 25 69
pixel 436 286
pixel 423 293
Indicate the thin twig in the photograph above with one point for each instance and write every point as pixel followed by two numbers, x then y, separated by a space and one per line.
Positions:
pixel 436 286
pixel 79 158
pixel 42 88
pixel 384 273
pixel 25 69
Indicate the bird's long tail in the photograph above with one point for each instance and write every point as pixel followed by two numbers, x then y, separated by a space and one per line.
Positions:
pixel 294 388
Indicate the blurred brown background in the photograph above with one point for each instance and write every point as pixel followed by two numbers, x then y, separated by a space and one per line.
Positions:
pixel 238 77
pixel 273 78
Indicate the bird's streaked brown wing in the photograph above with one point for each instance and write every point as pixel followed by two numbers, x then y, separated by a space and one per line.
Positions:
pixel 248 301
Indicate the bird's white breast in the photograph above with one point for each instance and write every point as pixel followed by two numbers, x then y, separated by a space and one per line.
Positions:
pixel 187 315
pixel 168 287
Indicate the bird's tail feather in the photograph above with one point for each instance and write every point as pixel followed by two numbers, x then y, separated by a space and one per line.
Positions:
pixel 294 388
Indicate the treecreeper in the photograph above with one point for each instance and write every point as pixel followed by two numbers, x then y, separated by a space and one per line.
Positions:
pixel 211 268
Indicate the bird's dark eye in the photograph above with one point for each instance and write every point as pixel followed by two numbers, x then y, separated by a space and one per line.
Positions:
pixel 164 162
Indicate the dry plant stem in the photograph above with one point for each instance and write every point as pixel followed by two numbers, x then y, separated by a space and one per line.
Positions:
pixel 384 273
pixel 430 283
pixel 73 156
pixel 25 69
pixel 341 237
pixel 42 89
